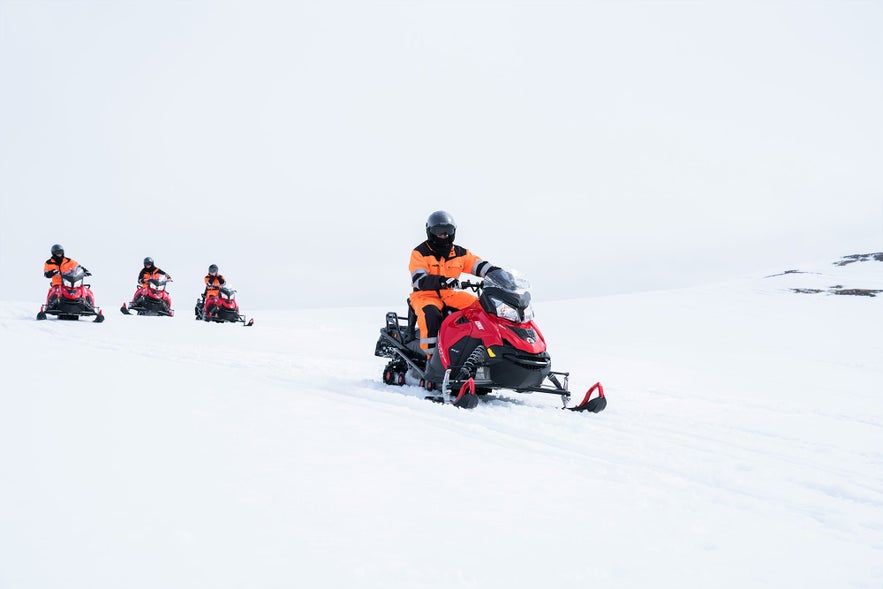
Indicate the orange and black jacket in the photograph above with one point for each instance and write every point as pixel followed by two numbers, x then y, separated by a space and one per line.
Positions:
pixel 429 269
pixel 146 273
pixel 54 267
pixel 213 284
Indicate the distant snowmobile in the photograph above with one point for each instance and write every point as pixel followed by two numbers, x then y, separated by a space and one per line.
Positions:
pixel 151 299
pixel 221 308
pixel 492 344
pixel 71 299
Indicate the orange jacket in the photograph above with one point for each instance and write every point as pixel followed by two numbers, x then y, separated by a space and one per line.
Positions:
pixel 147 273
pixel 213 285
pixel 428 268
pixel 60 266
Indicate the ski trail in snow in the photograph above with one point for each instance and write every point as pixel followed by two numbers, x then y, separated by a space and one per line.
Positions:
pixel 709 460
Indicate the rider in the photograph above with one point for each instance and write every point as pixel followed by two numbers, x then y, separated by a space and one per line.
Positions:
pixel 144 276
pixel 149 270
pixel 213 283
pixel 435 267
pixel 58 265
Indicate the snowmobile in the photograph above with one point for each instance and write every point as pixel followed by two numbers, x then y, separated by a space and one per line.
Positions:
pixel 492 344
pixel 221 308
pixel 151 299
pixel 71 299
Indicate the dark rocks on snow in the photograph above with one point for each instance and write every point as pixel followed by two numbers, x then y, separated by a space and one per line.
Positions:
pixel 838 288
pixel 845 260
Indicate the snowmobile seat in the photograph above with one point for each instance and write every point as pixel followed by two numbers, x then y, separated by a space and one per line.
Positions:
pixel 404 330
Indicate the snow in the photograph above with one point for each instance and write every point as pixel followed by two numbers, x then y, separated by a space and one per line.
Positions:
pixel 742 447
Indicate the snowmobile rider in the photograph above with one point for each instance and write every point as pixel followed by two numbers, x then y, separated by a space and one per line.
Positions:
pixel 435 267
pixel 149 270
pixel 213 283
pixel 58 265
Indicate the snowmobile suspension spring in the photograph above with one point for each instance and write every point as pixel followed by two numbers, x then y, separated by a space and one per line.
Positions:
pixel 477 357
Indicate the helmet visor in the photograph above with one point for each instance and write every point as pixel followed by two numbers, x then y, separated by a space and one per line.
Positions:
pixel 439 230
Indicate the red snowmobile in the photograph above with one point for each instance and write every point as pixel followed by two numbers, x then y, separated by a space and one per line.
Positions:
pixel 151 298
pixel 71 299
pixel 492 344
pixel 221 308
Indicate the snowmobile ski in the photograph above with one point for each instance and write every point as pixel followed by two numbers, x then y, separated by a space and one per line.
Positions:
pixel 595 405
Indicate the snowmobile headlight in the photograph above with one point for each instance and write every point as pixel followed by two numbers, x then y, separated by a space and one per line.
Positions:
pixel 506 311
pixel 75 283
pixel 528 314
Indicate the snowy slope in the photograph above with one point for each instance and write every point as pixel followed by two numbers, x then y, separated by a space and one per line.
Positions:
pixel 742 446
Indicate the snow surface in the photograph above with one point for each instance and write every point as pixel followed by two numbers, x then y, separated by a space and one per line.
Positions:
pixel 742 447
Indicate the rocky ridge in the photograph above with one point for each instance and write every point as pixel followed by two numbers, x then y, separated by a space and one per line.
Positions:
pixel 851 275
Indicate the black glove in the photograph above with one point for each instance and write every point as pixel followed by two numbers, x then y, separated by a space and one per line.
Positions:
pixel 431 282
pixel 50 273
pixel 436 282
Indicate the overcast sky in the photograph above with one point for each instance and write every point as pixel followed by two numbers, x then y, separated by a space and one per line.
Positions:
pixel 595 146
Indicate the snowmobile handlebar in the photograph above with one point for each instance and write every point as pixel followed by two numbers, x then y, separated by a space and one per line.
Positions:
pixel 469 285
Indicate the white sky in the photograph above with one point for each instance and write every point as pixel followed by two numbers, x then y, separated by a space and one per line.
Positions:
pixel 595 146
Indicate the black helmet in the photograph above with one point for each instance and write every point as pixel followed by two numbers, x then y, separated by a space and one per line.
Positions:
pixel 148 261
pixel 213 269
pixel 57 250
pixel 440 223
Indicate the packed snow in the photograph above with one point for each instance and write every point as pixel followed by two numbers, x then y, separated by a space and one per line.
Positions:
pixel 742 447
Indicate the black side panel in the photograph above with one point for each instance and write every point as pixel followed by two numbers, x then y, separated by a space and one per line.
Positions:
pixel 459 352
pixel 228 315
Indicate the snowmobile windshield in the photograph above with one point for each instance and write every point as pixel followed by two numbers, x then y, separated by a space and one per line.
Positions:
pixel 507 281
pixel 73 278
pixel 507 296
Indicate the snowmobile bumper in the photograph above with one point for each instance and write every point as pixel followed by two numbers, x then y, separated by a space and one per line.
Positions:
pixel 150 308
pixel 70 310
